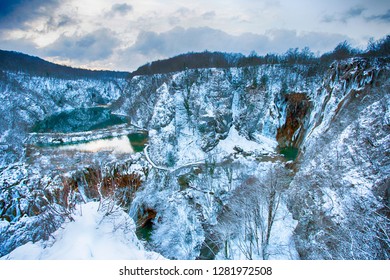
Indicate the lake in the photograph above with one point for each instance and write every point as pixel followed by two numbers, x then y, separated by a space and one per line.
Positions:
pixel 89 119
pixel 79 120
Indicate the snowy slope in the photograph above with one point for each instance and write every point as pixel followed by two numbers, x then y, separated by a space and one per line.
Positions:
pixel 339 195
pixel 94 234
pixel 263 144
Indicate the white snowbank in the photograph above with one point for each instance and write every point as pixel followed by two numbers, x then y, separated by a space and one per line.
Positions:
pixel 93 235
pixel 264 144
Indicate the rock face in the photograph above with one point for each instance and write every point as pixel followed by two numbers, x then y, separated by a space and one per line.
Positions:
pixel 339 194
pixel 292 131
pixel 214 184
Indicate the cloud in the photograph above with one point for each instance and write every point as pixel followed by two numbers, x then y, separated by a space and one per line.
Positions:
pixel 97 45
pixel 382 17
pixel 329 18
pixel 150 46
pixel 209 15
pixel 180 40
pixel 15 13
pixel 280 40
pixel 20 45
pixel 184 12
pixel 354 12
pixel 60 21
pixel 345 16
pixel 179 15
pixel 119 9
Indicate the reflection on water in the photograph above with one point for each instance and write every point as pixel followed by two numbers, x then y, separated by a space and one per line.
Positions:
pixel 77 120
pixel 118 145
pixel 89 119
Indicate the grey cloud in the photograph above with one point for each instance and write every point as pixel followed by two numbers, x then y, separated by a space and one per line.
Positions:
pixel 151 46
pixel 209 15
pixel 176 18
pixel 179 40
pixel 20 45
pixel 281 40
pixel 183 12
pixel 53 23
pixel 15 13
pixel 353 12
pixel 382 17
pixel 65 20
pixel 119 9
pixel 328 18
pixel 97 45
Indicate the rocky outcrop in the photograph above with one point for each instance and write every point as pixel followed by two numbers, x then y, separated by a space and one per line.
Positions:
pixel 291 133
pixel 145 217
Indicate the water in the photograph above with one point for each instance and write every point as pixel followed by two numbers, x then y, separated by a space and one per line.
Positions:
pixel 138 141
pixel 290 153
pixel 87 119
pixel 116 145
pixel 125 144
pixel 79 120
pixel 145 232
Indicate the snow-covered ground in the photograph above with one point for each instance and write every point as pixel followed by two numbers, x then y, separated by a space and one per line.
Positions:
pixel 234 139
pixel 94 234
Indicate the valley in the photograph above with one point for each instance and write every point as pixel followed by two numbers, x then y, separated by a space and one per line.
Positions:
pixel 268 161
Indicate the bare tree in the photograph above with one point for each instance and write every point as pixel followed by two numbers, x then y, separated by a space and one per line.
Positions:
pixel 248 219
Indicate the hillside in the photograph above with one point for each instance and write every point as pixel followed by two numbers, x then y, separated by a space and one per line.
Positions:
pixel 19 62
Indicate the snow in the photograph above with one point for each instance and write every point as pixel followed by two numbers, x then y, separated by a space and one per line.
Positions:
pixel 332 205
pixel 186 123
pixel 234 139
pixel 118 145
pixel 92 235
pixel 363 185
pixel 4 136
pixel 281 247
pixel 3 225
pixel 150 161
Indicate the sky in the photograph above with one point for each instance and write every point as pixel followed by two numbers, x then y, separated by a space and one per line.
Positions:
pixel 125 34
